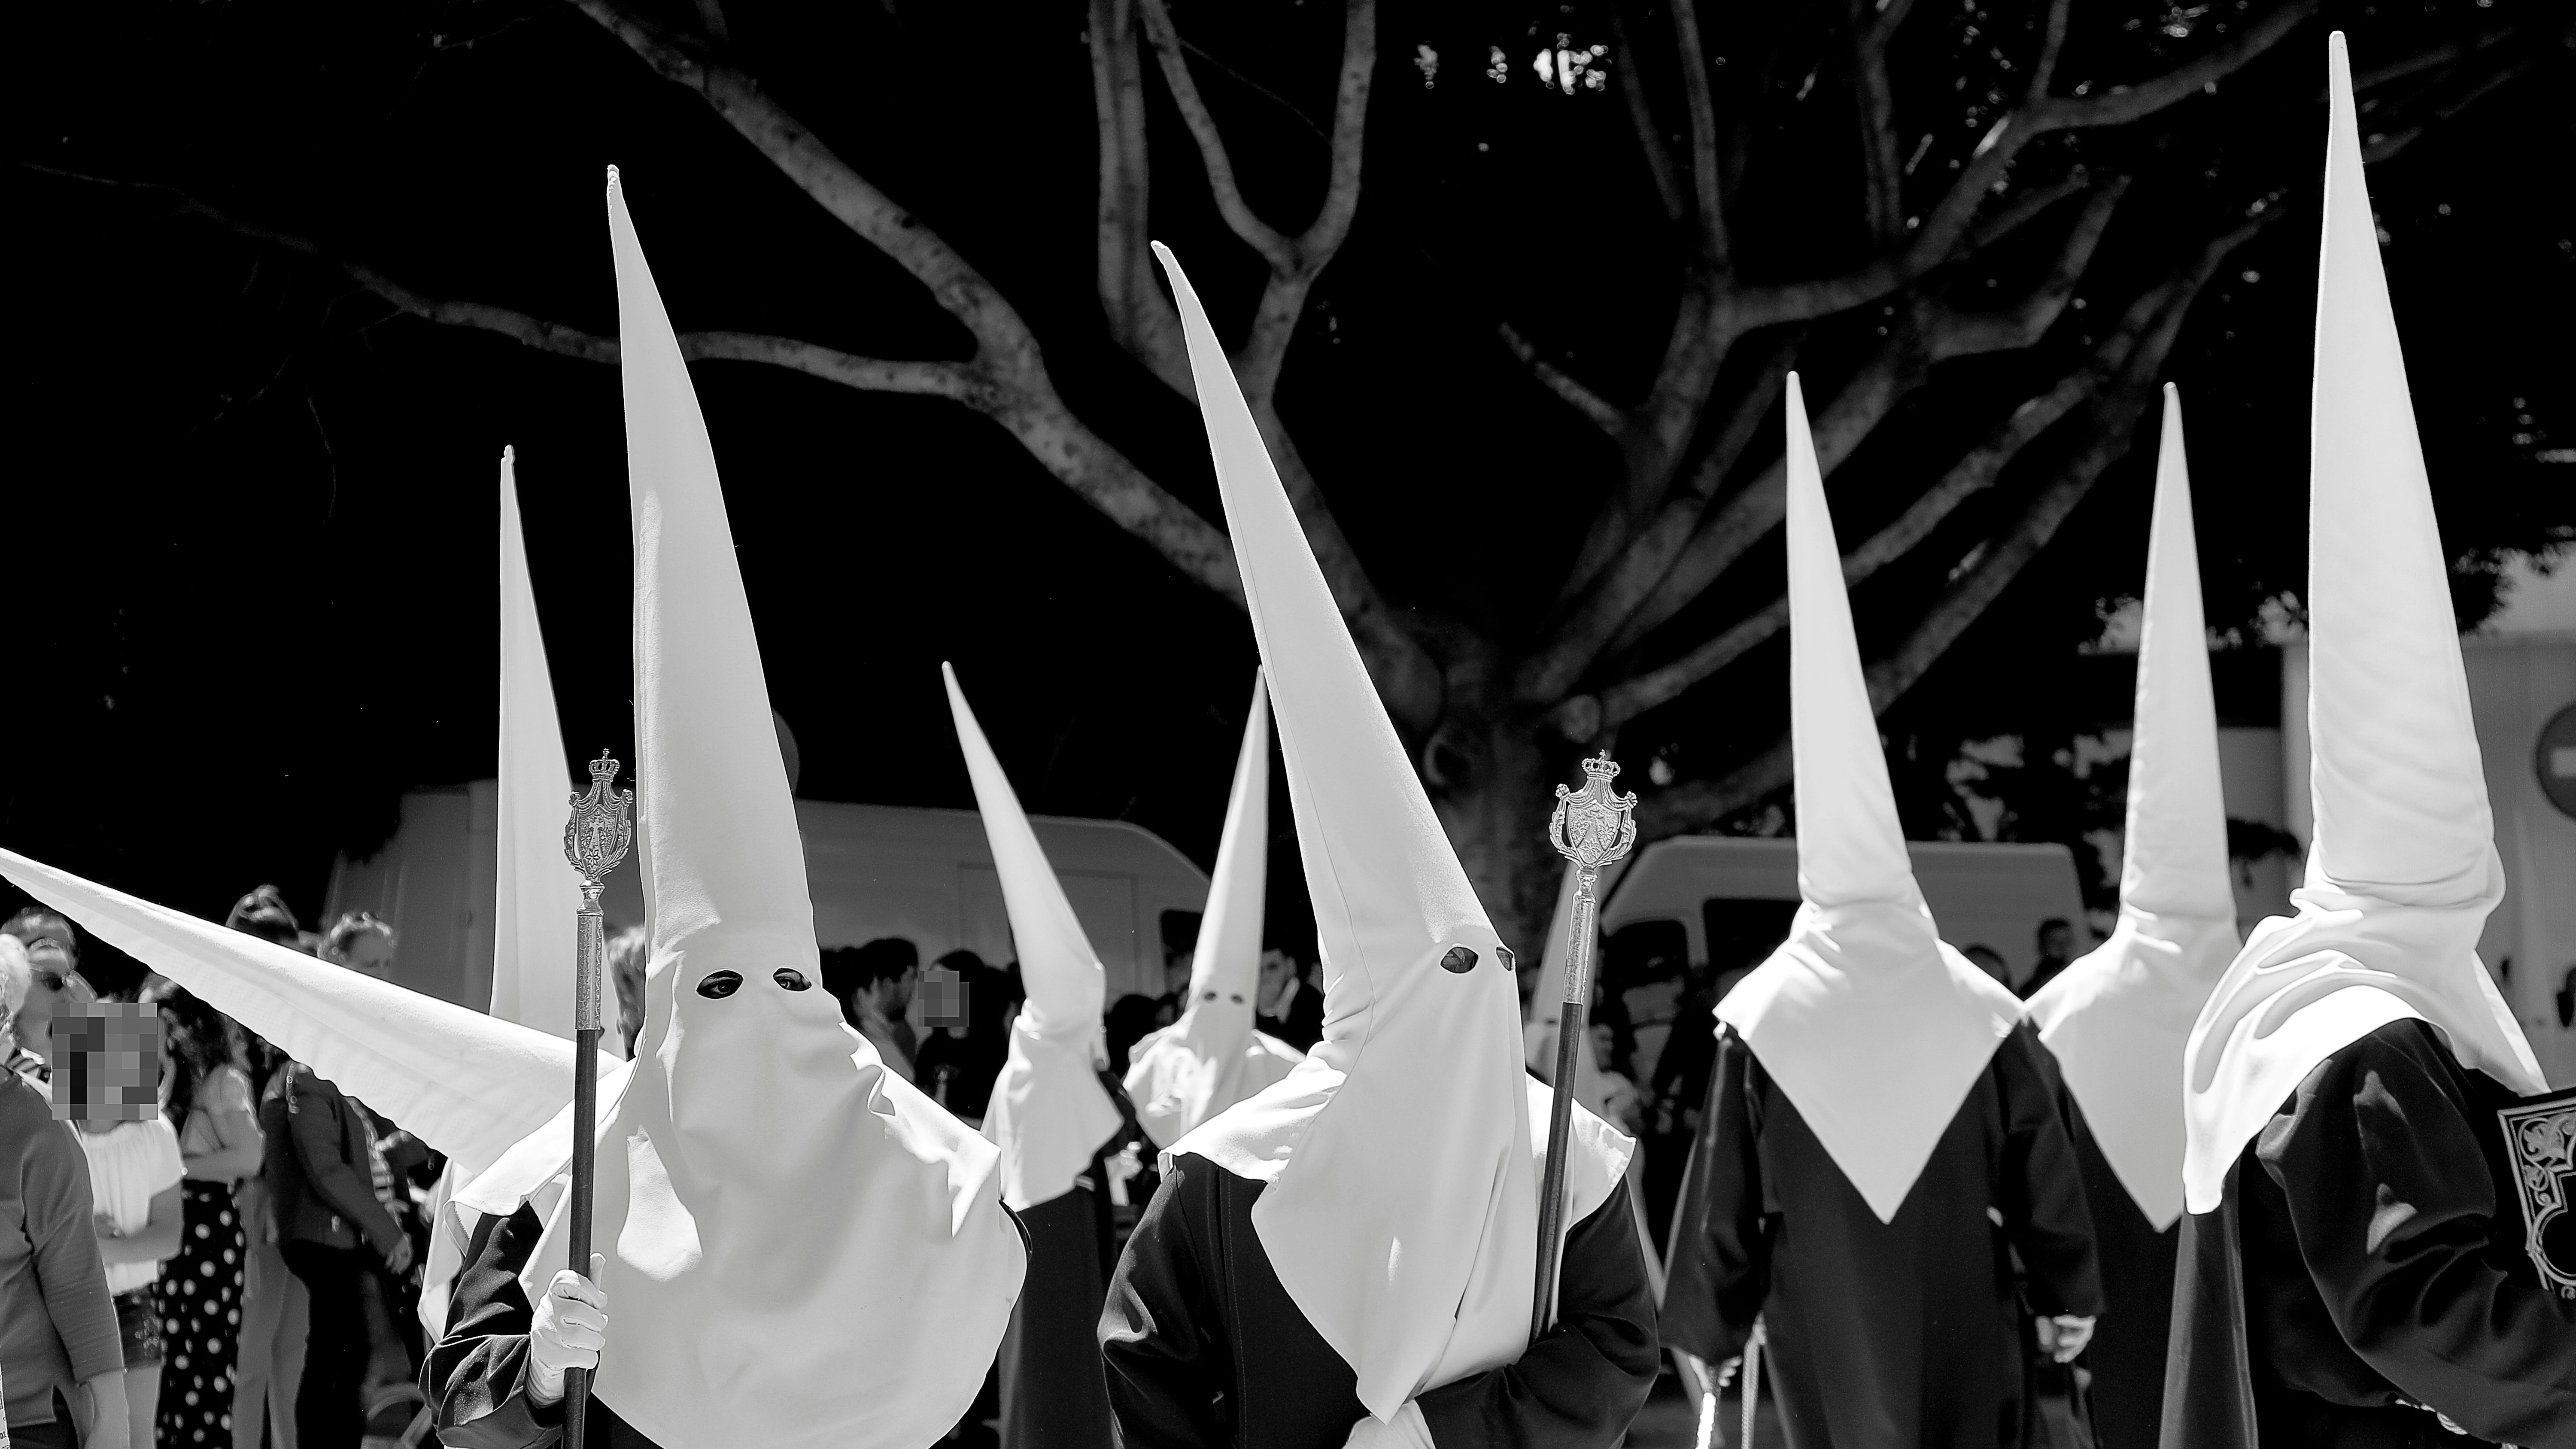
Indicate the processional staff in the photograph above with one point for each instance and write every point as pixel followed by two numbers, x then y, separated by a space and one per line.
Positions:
pixel 1592 828
pixel 595 841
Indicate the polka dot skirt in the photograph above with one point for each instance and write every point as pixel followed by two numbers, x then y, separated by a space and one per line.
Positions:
pixel 200 1299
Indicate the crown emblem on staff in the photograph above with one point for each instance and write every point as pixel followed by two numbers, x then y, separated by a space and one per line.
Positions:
pixel 597 836
pixel 1593 826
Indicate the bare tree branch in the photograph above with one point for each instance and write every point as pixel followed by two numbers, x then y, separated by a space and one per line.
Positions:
pixel 1711 213
pixel 1641 115
pixel 1874 102
pixel 1273 245
pixel 1599 410
pixel 1938 236
pixel 1140 315
pixel 1694 804
pixel 2052 41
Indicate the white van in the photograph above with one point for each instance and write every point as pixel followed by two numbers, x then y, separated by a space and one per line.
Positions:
pixel 873 870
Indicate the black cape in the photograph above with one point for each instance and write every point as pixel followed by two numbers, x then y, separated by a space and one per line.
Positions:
pixel 1204 1348
pixel 1052 1394
pixel 2368 1256
pixel 1882 1335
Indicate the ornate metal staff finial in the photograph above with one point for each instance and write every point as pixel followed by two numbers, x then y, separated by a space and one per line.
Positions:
pixel 601 829
pixel 1592 827
pixel 596 839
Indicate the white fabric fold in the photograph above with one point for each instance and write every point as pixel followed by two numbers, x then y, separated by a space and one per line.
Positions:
pixel 461 1081
pixel 1049 1112
pixel 2118 1019
pixel 1870 1023
pixel 1401 1212
pixel 1212 1057
pixel 2403 870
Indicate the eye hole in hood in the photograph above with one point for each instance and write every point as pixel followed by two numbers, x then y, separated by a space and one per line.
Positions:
pixel 791 978
pixel 720 984
pixel 1459 961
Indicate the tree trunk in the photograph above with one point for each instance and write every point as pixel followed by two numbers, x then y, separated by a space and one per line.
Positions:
pixel 1491 778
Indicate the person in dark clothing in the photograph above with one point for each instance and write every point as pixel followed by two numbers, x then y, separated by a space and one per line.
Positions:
pixel 2056 943
pixel 1130 1020
pixel 1882 1134
pixel 2374 1252
pixel 958 1064
pixel 1288 1006
pixel 1881 1333
pixel 1205 1348
pixel 332 1231
pixel 496 1380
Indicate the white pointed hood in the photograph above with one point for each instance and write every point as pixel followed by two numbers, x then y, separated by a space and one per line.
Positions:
pixel 2403 870
pixel 1868 1020
pixel 536 892
pixel 1402 1158
pixel 461 1081
pixel 802 1250
pixel 2118 1019
pixel 1049 1112
pixel 1211 1058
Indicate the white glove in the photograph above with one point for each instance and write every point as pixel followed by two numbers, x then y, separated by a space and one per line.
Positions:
pixel 2063 1336
pixel 571 1328
pixel 1406 1430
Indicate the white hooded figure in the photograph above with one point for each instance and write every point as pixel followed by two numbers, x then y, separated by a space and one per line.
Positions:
pixel 2116 1020
pixel 1051 1115
pixel 1361 1237
pixel 1874 1100
pixel 1212 1057
pixel 2359 1236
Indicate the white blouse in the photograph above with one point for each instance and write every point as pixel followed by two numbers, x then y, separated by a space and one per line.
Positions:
pixel 128 1166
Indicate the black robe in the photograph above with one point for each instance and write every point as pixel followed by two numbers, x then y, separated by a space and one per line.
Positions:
pixel 476 1379
pixel 2127 1355
pixel 1883 1335
pixel 1052 1394
pixel 1205 1349
pixel 2368 1255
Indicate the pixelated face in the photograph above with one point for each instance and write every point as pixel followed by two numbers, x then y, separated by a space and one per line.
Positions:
pixel 107 1064
pixel 943 997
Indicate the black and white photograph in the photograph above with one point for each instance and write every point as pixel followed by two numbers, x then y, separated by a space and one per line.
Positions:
pixel 1291 724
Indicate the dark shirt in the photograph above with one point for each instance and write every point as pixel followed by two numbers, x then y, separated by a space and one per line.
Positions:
pixel 2127 1355
pixel 1204 1348
pixel 1899 1333
pixel 476 1379
pixel 1303 1026
pixel 2368 1256
pixel 315 1161
pixel 57 1324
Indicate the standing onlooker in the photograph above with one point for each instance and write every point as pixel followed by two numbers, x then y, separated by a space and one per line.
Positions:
pixel 1287 1007
pixel 134 1175
pixel 208 1101
pixel 629 952
pixel 874 983
pixel 1989 960
pixel 60 1354
pixel 960 1060
pixel 17 982
pixel 53 960
pixel 2056 949
pixel 276 1311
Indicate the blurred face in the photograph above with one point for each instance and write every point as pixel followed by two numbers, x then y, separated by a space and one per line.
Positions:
pixel 370 953
pixel 904 986
pixel 2057 942
pixel 54 987
pixel 1605 1045
pixel 1276 968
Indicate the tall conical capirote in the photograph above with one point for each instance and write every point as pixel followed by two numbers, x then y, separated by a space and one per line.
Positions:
pixel 2403 870
pixel 1869 1022
pixel 1049 1112
pixel 536 893
pixel 763 1179
pixel 2118 1019
pixel 1212 1057
pixel 1420 1274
